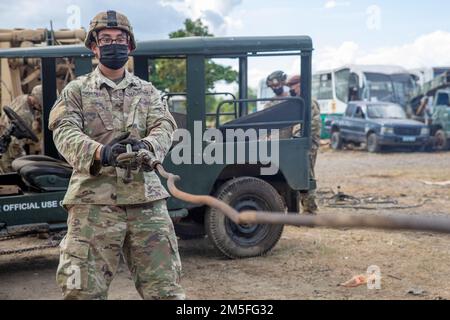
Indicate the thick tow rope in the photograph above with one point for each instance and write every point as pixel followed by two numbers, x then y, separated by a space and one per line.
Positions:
pixel 390 222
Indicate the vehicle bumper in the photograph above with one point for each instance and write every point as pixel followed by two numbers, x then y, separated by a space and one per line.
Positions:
pixel 413 141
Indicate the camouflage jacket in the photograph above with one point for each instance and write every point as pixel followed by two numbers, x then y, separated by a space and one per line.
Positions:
pixel 316 125
pixel 91 111
pixel 272 103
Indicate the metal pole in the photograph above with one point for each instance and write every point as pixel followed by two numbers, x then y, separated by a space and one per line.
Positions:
pixel 48 76
pixel 83 65
pixel 243 85
pixel 141 67
pixel 306 69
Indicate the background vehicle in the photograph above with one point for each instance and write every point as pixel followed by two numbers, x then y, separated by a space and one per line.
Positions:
pixel 333 89
pixel 377 125
pixel 440 120
pixel 431 105
pixel 40 182
pixel 424 75
pixel 20 76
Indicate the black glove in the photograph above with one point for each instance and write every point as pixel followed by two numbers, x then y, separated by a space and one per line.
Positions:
pixel 113 149
pixel 136 144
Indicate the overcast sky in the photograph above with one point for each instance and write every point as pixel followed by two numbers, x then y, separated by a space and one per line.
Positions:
pixel 410 34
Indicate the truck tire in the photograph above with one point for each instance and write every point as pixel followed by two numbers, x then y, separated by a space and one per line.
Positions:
pixel 336 141
pixel 372 143
pixel 441 141
pixel 245 193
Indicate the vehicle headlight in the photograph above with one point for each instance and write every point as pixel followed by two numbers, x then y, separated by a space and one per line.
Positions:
pixel 425 131
pixel 387 130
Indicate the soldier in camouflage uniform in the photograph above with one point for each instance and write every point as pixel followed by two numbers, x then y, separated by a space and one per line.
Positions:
pixel 308 199
pixel 277 82
pixel 107 217
pixel 29 108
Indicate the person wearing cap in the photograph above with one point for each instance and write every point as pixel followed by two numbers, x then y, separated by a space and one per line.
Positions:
pixel 307 200
pixel 277 82
pixel 29 108
pixel 93 120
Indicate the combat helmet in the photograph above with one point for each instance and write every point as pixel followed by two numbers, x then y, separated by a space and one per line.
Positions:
pixel 37 93
pixel 109 20
pixel 276 79
pixel 295 79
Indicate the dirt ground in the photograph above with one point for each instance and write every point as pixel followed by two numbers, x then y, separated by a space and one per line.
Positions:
pixel 306 263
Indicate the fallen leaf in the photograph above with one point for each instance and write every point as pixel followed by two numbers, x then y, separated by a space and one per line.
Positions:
pixel 354 282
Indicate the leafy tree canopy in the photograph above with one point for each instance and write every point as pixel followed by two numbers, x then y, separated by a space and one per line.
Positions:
pixel 170 74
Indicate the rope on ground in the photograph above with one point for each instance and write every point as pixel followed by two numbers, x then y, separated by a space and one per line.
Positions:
pixel 331 199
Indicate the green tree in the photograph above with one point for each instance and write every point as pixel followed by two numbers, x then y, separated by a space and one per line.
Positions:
pixel 170 74
pixel 191 29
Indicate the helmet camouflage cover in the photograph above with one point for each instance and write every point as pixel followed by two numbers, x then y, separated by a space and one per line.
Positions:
pixel 109 20
pixel 37 93
pixel 276 78
pixel 295 79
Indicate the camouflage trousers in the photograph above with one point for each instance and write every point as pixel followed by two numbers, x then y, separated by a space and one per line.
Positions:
pixel 98 235
pixel 307 200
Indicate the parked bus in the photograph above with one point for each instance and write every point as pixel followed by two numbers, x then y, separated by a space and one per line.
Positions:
pixel 333 89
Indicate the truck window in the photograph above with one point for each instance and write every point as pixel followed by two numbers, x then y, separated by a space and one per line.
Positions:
pixel 380 87
pixel 442 99
pixel 349 111
pixel 315 86
pixel 325 87
pixel 359 114
pixel 342 84
pixel 353 87
pixel 404 87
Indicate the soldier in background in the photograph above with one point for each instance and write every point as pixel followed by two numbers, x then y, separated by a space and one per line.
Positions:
pixel 90 122
pixel 29 108
pixel 308 199
pixel 277 82
pixel 423 112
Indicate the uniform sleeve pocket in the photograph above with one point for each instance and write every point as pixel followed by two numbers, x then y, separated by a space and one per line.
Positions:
pixel 154 190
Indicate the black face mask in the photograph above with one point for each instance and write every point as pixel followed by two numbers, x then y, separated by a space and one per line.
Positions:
pixel 293 93
pixel 114 56
pixel 278 91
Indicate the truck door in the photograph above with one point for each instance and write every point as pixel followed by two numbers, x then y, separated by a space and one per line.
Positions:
pixel 346 121
pixel 359 125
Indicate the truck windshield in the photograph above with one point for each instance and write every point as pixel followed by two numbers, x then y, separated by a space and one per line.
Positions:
pixel 404 87
pixel 380 87
pixel 385 112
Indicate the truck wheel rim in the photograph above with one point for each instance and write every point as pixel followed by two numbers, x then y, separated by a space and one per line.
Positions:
pixel 334 140
pixel 247 235
pixel 371 143
pixel 440 140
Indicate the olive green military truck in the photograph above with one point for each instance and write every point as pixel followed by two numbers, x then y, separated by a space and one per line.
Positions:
pixel 32 195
